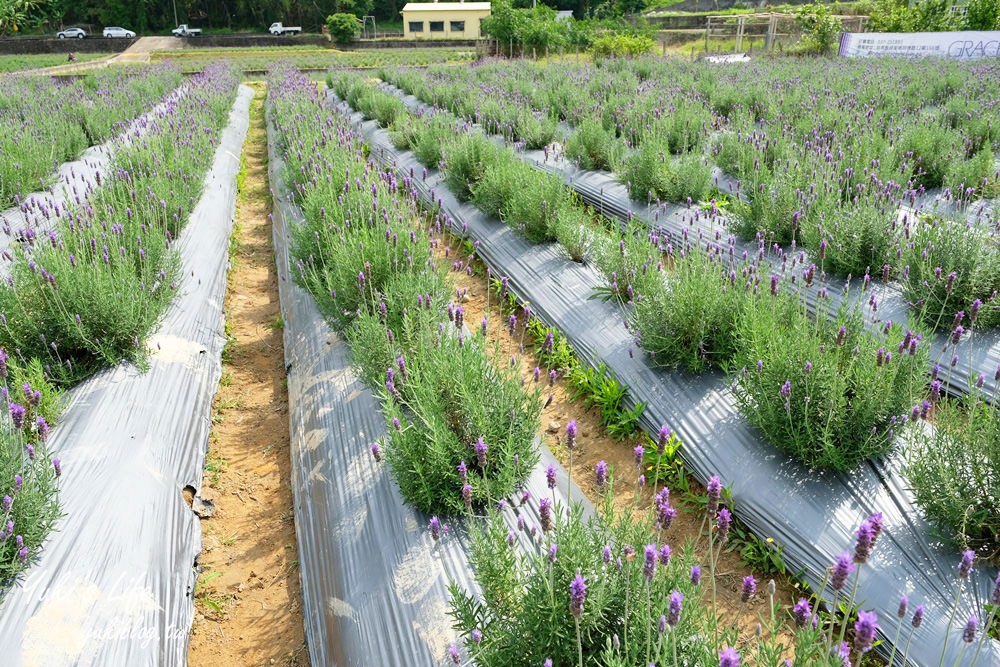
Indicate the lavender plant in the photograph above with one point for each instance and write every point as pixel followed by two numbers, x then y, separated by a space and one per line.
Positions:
pixel 831 394
pixel 29 505
pixel 954 470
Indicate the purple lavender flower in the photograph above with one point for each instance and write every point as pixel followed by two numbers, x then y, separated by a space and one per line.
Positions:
pixel 601 475
pixel 577 595
pixel 904 602
pixel 361 280
pixel 553 548
pixel 695 575
pixel 996 591
pixel 463 471
pixel 467 496
pixel 749 588
pixel 662 439
pixel 42 428
pixel 545 514
pixel 969 633
pixel 649 564
pixel 22 555
pixel 547 663
pixel 637 455
pixel 665 553
pixel 435 526
pixel 728 657
pixel 674 611
pixel 17 414
pixel 511 538
pixel 571 434
pixel 842 568
pixel 606 554
pixel 550 476
pixel 456 658
pixel 665 515
pixel 18 481
pixel 714 494
pixel 481 449
pixel 376 453
pixel 552 381
pixel 8 502
pixel 802 612
pixel 866 536
pixel 723 522
pixel 918 616
pixel 477 636
pixel 965 567
pixel 864 631
pixel 537 374
pixel 395 424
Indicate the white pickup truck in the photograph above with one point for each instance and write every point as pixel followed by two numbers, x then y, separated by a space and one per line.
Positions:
pixel 278 29
pixel 184 31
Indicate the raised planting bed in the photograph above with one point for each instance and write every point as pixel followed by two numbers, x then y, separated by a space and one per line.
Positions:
pixel 132 439
pixel 811 514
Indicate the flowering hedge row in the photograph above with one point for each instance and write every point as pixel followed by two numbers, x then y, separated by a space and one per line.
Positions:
pixel 825 157
pixel 44 122
pixel 566 590
pixel 461 428
pixel 86 287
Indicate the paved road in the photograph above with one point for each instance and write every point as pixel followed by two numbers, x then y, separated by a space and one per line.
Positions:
pixel 138 52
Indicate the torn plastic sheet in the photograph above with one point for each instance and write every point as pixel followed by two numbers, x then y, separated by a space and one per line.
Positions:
pixel 113 585
pixel 374 583
pixel 812 515
pixel 601 190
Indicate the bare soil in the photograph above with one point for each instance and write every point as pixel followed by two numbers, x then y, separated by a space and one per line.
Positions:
pixel 248 603
pixel 594 444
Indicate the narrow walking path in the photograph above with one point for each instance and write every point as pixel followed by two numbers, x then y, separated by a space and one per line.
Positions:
pixel 248 602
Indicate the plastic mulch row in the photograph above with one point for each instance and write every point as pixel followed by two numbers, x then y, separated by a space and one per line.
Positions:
pixel 813 516
pixel 374 583
pixel 978 353
pixel 115 581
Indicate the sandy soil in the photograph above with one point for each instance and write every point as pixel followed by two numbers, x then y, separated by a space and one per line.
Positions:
pixel 248 606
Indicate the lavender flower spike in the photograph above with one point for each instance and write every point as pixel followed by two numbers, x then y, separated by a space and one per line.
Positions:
pixel 571 434
pixel 714 495
pixel 577 595
pixel 749 588
pixel 435 526
pixel 969 634
pixel 728 657
pixel 550 476
pixel 601 475
pixel 649 566
pixel 864 631
pixel 674 612
pixel 841 569
pixel 965 567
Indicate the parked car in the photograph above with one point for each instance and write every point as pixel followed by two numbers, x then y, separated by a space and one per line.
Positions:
pixel 184 31
pixel 278 29
pixel 115 31
pixel 79 33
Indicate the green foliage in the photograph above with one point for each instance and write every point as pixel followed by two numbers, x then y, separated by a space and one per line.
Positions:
pixel 593 147
pixel 34 505
pixel 902 16
pixel 465 163
pixel 450 397
pixel 949 266
pixel 520 196
pixel 954 470
pixel 690 319
pixel 343 27
pixel 828 393
pixel 524 615
pixel 820 28
pixel 620 46
pixel 599 387
pixel 652 174
pixel 982 15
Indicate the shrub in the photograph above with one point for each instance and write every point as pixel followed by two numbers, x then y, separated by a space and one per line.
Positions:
pixel 524 615
pixel 823 389
pixel 28 485
pixel 593 147
pixel 652 174
pixel 954 470
pixel 343 27
pixel 932 149
pixel 820 28
pixel 691 321
pixel 450 397
pixel 949 265
pixel 520 196
pixel 857 239
pixel 620 46
pixel 466 161
pixel 572 229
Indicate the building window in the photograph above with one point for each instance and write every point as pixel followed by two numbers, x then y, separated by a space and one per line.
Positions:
pixel 417 26
pixel 437 26
pixel 458 26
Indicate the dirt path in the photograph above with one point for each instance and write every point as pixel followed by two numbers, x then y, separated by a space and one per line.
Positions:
pixel 248 604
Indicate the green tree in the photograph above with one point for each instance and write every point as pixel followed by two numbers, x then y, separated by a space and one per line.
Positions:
pixel 820 28
pixel 983 15
pixel 18 15
pixel 343 27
